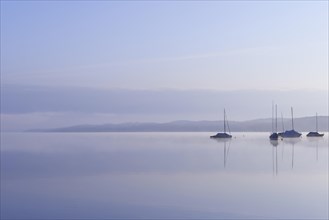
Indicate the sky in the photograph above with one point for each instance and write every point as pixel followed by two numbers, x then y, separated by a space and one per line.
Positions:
pixel 173 47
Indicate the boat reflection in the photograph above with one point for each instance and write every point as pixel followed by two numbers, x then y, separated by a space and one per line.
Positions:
pixel 275 166
pixel 315 143
pixel 274 143
pixel 292 142
pixel 281 143
pixel 226 143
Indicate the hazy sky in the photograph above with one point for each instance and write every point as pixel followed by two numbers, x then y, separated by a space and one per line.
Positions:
pixel 213 45
pixel 184 45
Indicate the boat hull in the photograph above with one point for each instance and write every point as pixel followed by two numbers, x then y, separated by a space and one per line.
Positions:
pixel 274 136
pixel 291 134
pixel 314 134
pixel 221 135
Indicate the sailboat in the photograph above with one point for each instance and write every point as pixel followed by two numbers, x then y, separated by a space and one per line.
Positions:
pixel 291 133
pixel 274 135
pixel 315 133
pixel 224 134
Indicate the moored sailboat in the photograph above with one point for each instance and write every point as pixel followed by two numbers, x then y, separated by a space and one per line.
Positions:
pixel 274 135
pixel 224 134
pixel 315 133
pixel 291 133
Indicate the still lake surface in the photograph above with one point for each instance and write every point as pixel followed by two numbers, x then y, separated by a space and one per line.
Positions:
pixel 162 175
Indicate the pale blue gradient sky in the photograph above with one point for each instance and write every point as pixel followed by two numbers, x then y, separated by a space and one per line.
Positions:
pixel 152 45
pixel 193 48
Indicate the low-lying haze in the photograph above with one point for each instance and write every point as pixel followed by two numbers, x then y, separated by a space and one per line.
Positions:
pixel 28 107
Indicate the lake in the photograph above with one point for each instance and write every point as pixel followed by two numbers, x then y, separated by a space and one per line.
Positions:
pixel 162 175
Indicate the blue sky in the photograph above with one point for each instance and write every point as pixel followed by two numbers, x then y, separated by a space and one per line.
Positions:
pixel 182 45
pixel 166 45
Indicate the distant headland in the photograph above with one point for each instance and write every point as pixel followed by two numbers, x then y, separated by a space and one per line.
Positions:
pixel 303 124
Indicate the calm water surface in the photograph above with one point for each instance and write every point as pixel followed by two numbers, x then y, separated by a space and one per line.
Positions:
pixel 162 175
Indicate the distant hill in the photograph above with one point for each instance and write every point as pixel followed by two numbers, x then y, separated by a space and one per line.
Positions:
pixel 301 124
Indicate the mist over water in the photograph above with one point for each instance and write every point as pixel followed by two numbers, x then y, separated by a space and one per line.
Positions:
pixel 162 175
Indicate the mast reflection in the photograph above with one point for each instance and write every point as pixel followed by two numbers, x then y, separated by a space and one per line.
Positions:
pixel 292 142
pixel 275 166
pixel 226 143
pixel 315 142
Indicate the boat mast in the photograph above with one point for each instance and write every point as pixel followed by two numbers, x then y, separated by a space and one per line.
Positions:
pixel 224 121
pixel 272 115
pixel 228 126
pixel 282 122
pixel 292 118
pixel 276 118
pixel 316 118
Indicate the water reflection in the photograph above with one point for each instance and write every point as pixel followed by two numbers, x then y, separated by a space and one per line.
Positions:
pixel 284 158
pixel 274 144
pixel 161 175
pixel 76 155
pixel 282 151
pixel 314 141
pixel 300 143
pixel 226 143
pixel 292 142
